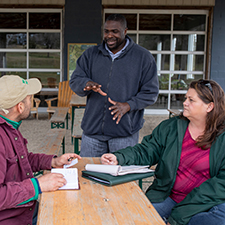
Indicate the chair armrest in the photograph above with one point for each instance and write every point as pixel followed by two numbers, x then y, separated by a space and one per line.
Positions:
pixel 49 101
pixel 37 102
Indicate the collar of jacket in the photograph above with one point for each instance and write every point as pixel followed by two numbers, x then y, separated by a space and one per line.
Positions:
pixel 8 121
pixel 106 53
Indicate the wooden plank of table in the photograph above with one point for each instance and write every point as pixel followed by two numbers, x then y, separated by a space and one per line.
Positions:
pixel 97 204
pixel 51 144
pixel 59 115
pixel 77 131
pixel 78 101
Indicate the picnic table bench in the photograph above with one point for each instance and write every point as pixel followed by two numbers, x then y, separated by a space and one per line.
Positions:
pixel 77 131
pixel 59 117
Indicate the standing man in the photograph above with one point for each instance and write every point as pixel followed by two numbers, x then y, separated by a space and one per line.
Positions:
pixel 119 79
pixel 19 189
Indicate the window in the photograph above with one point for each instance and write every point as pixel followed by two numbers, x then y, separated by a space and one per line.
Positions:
pixel 177 42
pixel 31 45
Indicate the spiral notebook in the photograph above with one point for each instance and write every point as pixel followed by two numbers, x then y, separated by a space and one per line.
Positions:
pixel 71 176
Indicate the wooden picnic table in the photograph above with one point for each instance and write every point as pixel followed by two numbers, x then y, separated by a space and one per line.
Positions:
pixel 76 102
pixel 97 204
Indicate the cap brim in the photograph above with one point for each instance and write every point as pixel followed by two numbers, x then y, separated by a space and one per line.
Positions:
pixel 34 86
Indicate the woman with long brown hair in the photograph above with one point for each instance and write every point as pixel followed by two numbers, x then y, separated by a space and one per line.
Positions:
pixel 189 151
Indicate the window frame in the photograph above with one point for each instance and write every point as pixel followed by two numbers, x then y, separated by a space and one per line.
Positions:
pixel 28 50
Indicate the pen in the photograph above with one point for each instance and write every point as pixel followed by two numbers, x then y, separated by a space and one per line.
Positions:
pixel 70 158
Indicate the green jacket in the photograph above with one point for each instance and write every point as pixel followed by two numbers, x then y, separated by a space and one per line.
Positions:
pixel 163 147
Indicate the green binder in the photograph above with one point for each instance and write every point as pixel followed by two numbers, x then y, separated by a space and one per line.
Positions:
pixel 109 180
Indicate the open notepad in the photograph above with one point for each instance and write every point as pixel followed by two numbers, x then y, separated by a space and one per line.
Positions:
pixel 116 170
pixel 71 176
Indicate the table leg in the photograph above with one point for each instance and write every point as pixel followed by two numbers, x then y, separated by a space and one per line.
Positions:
pixel 72 121
pixel 140 183
pixel 67 121
pixel 63 145
pixel 76 146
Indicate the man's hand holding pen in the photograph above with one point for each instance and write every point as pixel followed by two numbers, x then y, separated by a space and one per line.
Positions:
pixel 58 162
pixel 53 181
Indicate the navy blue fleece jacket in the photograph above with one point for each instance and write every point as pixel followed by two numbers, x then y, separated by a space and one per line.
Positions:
pixel 131 78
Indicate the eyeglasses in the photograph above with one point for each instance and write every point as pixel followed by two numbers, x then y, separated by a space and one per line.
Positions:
pixel 207 84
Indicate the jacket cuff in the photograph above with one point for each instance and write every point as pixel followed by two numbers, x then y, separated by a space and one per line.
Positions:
pixel 132 105
pixel 120 158
pixel 39 188
pixel 172 221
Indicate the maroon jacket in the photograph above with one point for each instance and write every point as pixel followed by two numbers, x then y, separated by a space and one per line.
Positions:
pixel 16 170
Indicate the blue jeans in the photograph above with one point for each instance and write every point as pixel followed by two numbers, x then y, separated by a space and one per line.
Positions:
pixel 35 215
pixel 164 208
pixel 91 147
pixel 216 215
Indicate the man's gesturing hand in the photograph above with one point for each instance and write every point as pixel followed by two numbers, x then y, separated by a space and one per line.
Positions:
pixel 90 85
pixel 118 109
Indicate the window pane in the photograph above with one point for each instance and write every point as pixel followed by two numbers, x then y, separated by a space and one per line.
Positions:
pixel 162 61
pixel 48 79
pixel 13 40
pixel 13 20
pixel 44 20
pixel 131 21
pixel 133 37
pixel 191 42
pixel 189 62
pixel 161 103
pixel 155 41
pixel 200 43
pixel 44 40
pixel 50 60
pixel 181 62
pixel 13 59
pixel 182 81
pixel 189 22
pixel 163 81
pixel 198 63
pixel 21 74
pixel 155 22
pixel 178 82
pixel 195 62
pixel 176 101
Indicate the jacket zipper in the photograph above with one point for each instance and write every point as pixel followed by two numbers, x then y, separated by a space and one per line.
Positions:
pixel 178 160
pixel 106 99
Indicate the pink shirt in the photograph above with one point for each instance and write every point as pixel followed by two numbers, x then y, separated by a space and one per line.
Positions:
pixel 193 169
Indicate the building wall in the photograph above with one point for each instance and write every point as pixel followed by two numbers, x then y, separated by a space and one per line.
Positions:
pixel 218 44
pixel 83 20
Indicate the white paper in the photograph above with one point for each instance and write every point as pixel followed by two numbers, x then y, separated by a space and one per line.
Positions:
pixel 71 176
pixel 73 162
pixel 116 170
pixel 111 169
